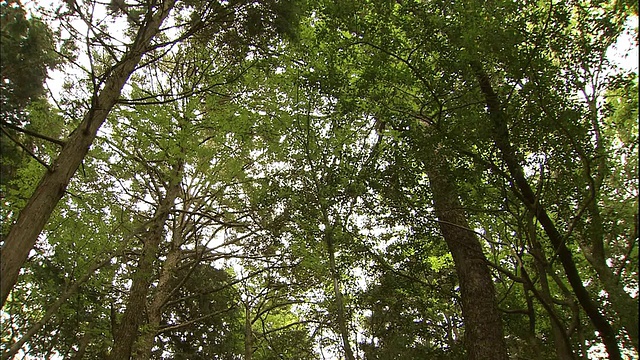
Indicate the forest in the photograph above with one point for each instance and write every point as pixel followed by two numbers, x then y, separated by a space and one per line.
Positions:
pixel 318 179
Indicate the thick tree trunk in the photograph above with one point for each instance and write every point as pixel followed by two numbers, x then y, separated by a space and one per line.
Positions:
pixel 342 322
pixel 501 138
pixel 484 339
pixel 127 332
pixel 32 219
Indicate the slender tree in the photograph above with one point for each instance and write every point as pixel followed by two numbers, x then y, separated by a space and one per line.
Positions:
pixel 33 217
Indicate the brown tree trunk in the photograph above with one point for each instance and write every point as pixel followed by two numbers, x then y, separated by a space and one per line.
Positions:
pixel 32 219
pixel 127 331
pixel 484 339
pixel 501 138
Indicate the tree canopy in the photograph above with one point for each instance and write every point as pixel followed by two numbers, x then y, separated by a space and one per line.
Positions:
pixel 293 179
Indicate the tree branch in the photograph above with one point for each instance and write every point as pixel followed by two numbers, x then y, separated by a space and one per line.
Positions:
pixel 33 133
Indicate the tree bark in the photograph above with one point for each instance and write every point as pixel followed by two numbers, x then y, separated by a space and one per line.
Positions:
pixel 248 332
pixel 127 331
pixel 501 139
pixel 342 322
pixel 561 341
pixel 484 339
pixel 32 219
pixel 622 303
pixel 160 298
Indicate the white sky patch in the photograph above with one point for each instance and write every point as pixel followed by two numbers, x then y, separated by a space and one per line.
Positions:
pixel 624 53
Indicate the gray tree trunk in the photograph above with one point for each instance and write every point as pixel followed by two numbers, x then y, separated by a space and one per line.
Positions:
pixel 160 297
pixel 342 321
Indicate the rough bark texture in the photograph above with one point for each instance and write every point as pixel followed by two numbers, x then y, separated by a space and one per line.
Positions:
pixel 501 138
pixel 127 331
pixel 32 219
pixel 484 339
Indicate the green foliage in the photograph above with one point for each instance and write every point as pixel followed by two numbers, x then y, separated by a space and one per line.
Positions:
pixel 208 298
pixel 26 56
pixel 308 130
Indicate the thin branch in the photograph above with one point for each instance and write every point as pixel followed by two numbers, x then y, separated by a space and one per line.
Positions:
pixel 53 309
pixel 193 321
pixel 287 326
pixel 33 133
pixel 26 149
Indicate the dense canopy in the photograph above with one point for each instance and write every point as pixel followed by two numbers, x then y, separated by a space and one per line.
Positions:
pixel 285 179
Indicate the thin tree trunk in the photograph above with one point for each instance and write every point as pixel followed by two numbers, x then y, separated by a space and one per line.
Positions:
pixel 82 348
pixel 53 309
pixel 532 339
pixel 560 338
pixel 248 332
pixel 342 322
pixel 501 138
pixel 32 219
pixel 484 339
pixel 160 298
pixel 127 331
pixel 622 303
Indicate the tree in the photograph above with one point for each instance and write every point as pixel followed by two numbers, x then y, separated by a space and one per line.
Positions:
pixel 26 55
pixel 33 217
pixel 378 180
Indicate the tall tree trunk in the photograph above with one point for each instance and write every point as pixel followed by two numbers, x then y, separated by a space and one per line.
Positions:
pixel 160 297
pixel 484 339
pixel 560 338
pixel 342 321
pixel 501 138
pixel 32 219
pixel 622 303
pixel 248 332
pixel 127 331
